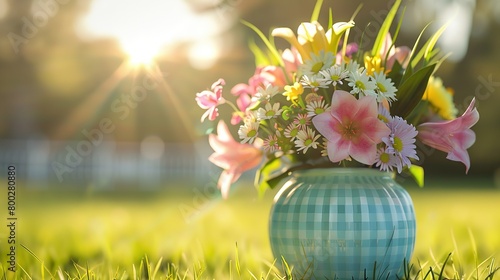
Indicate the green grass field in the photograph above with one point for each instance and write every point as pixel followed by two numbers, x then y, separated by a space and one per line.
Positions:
pixel 193 234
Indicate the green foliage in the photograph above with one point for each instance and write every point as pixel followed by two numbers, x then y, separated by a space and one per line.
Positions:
pixel 384 29
pixel 272 49
pixel 411 90
pixel 417 172
pixel 273 171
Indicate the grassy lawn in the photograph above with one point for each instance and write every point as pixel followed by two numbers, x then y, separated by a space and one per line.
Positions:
pixel 191 234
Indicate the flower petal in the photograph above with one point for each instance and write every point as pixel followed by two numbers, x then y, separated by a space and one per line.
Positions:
pixel 326 124
pixel 344 105
pixel 338 150
pixel 364 151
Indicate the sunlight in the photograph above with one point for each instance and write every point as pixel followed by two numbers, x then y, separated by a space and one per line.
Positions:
pixel 149 29
pixel 140 52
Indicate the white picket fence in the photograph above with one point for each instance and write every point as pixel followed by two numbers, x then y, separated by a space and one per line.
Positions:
pixel 104 165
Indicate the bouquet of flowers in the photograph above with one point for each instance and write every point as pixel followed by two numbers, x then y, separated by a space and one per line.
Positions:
pixel 326 102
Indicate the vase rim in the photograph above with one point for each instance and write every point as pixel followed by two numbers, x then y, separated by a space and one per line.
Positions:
pixel 342 170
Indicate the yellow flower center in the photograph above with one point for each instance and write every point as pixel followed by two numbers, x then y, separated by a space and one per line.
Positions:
pixel 383 118
pixel 308 142
pixel 319 110
pixel 349 131
pixel 317 67
pixel 360 85
pixel 252 133
pixel 384 157
pixel 381 87
pixel 398 144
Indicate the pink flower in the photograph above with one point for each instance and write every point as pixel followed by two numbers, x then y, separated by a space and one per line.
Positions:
pixel 262 77
pixel 209 100
pixel 351 128
pixel 401 54
pixel 453 137
pixel 232 156
pixel 243 102
pixel 351 49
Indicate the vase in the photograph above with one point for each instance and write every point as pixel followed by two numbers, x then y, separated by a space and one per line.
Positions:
pixel 342 223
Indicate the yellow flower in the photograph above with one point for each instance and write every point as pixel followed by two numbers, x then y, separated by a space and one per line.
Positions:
pixel 373 64
pixel 312 38
pixel 293 93
pixel 441 98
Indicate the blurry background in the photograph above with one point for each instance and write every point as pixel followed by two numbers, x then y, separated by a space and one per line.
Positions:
pixel 102 92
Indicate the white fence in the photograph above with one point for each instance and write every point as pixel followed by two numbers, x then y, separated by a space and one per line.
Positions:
pixel 107 164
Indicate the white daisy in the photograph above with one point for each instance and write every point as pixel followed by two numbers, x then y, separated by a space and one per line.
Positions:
pixel 265 94
pixel 385 87
pixel 270 144
pixel 306 139
pixel 292 130
pixel 335 74
pixel 314 82
pixel 324 151
pixel 361 84
pixel 318 62
pixel 249 130
pixel 269 111
pixel 352 66
pixel 316 107
pixel 302 120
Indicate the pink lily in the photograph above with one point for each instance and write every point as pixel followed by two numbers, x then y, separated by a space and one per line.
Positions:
pixel 401 54
pixel 232 156
pixel 262 77
pixel 209 100
pixel 243 102
pixel 453 137
pixel 351 128
pixel 270 74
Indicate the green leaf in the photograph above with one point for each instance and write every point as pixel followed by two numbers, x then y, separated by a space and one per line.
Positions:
pixel 317 9
pixel 419 111
pixel 384 29
pixel 396 73
pixel 273 171
pixel 416 56
pixel 429 45
pixel 417 172
pixel 411 91
pixel 266 41
pixel 285 114
pixel 395 35
pixel 260 57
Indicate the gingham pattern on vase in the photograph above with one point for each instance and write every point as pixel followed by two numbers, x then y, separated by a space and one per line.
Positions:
pixel 341 223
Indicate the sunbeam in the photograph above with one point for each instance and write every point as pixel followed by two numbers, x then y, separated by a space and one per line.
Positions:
pixel 80 115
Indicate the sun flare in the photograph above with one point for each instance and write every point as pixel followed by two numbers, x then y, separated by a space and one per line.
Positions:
pixel 140 52
pixel 145 29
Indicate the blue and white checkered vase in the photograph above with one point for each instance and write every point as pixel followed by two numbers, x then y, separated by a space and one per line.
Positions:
pixel 343 223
